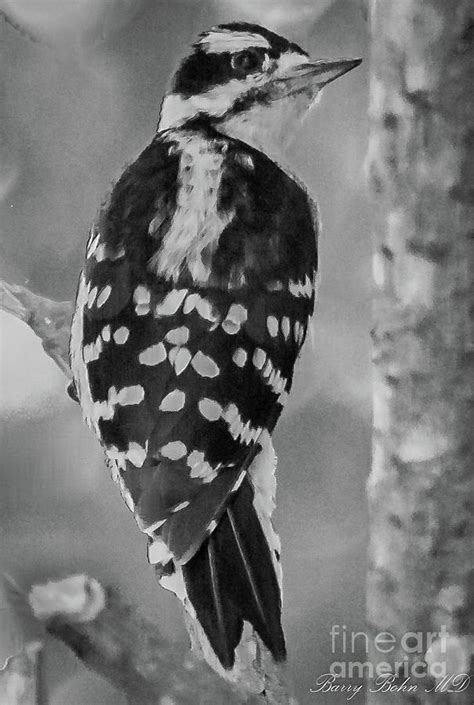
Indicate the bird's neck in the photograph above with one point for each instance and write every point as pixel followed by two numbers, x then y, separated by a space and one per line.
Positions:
pixel 263 127
pixel 268 128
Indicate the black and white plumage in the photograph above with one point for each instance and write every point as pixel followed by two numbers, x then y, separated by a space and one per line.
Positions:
pixel 191 311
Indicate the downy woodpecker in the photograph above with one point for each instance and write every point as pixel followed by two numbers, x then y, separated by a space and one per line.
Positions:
pixel 191 311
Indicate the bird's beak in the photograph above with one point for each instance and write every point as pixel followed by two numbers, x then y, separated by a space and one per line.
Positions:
pixel 314 75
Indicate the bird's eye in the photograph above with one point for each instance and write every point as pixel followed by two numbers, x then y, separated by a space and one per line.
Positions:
pixel 247 61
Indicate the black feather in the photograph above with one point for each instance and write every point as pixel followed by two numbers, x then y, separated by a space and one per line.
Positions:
pixel 240 580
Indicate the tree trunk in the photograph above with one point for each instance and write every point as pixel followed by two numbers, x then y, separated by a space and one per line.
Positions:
pixel 421 168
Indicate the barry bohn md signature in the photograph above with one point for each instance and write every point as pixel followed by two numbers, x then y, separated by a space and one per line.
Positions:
pixel 328 683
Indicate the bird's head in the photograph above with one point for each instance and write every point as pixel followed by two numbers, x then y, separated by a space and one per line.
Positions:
pixel 248 83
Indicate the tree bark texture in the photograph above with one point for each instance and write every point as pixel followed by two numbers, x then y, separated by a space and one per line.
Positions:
pixel 421 169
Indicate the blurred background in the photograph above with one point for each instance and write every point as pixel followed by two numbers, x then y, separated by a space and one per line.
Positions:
pixel 76 106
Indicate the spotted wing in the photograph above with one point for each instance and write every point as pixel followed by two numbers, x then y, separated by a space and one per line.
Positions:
pixel 182 382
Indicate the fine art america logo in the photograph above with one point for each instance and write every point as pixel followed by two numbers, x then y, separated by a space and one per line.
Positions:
pixel 438 658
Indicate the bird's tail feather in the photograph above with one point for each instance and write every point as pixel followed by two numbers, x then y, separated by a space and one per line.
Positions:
pixel 232 579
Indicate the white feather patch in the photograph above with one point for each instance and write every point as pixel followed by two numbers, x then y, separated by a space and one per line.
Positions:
pixel 262 475
pixel 158 552
pixel 175 583
pixel 200 468
pixel 240 357
pixel 236 316
pixel 197 222
pixel 174 450
pixel 174 401
pixel 243 432
pixel 171 303
pixel 135 453
pixel 105 409
pixel 121 335
pixel 204 365
pixel 218 41
pixel 103 295
pixel 210 409
pixel 181 360
pixel 178 336
pixel 152 355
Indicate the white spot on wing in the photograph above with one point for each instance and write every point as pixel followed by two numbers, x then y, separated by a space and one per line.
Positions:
pixel 204 365
pixel 285 327
pixel 210 409
pixel 236 316
pixel 102 252
pixel 136 454
pixel 142 295
pixel 121 335
pixel 153 355
pixel 205 309
pixel 272 326
pixel 124 397
pixel 92 351
pixel 240 357
pixel 203 471
pixel 180 506
pixel 190 303
pixel 231 412
pixel 178 336
pixel 92 242
pixel 130 395
pixel 274 379
pixel 174 401
pixel 106 334
pixel 171 303
pixel 239 430
pixel 142 298
pixel 195 457
pixel 173 354
pixel 298 332
pixel 268 369
pixel 103 295
pixel 174 450
pixel 301 288
pixel 181 361
pixel 259 358
pixel 91 297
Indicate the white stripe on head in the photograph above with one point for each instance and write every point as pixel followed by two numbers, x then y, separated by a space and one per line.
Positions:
pixel 215 102
pixel 218 41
